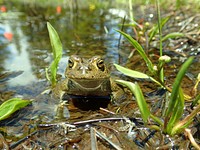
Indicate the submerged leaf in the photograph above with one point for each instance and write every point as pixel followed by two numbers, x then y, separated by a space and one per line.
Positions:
pixel 12 105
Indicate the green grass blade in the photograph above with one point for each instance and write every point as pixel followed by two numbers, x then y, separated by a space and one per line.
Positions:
pixel 197 98
pixel 177 112
pixel 140 50
pixel 186 121
pixel 172 35
pixel 12 105
pixel 135 89
pixel 155 28
pixel 176 86
pixel 135 74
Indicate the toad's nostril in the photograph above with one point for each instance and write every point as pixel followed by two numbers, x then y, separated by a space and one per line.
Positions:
pixel 84 69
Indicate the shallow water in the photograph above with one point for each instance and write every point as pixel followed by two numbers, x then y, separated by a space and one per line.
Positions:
pixel 29 50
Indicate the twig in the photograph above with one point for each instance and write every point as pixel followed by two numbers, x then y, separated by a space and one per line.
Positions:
pixel 188 21
pixel 109 141
pixel 192 140
pixel 104 119
pixel 93 139
pixel 96 120
pixel 105 110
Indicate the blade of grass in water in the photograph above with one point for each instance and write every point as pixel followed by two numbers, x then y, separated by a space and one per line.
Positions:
pixel 57 52
pixel 144 110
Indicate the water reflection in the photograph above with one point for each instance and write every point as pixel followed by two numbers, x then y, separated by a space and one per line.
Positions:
pixel 82 31
pixel 18 60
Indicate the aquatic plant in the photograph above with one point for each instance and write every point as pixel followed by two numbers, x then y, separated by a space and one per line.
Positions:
pixel 153 69
pixel 173 121
pixel 57 54
pixel 157 71
pixel 175 109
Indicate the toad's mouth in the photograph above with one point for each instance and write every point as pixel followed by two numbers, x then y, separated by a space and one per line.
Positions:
pixel 86 87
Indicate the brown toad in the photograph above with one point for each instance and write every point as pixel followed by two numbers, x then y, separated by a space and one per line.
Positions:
pixel 87 79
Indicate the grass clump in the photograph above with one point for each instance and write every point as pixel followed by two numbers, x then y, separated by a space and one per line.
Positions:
pixel 175 110
pixel 173 121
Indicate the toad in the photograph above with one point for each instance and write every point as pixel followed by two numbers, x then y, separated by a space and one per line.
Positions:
pixel 87 80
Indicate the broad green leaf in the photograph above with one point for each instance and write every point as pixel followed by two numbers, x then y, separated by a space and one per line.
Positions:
pixel 135 89
pixel 135 74
pixel 57 52
pixel 172 35
pixel 176 86
pixel 12 105
pixel 55 41
pixel 140 50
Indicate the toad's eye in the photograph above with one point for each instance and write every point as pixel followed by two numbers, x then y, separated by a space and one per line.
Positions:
pixel 100 65
pixel 70 63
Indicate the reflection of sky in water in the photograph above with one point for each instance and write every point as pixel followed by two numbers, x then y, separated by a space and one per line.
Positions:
pixel 111 43
pixel 18 59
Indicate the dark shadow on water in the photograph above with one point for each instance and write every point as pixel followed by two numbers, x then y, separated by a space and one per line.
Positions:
pixel 90 102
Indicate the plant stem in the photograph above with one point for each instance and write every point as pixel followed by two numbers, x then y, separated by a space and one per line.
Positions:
pixel 159 25
pixel 192 140
pixel 160 38
pixel 156 119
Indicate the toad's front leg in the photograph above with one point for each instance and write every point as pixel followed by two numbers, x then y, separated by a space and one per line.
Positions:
pixel 60 89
